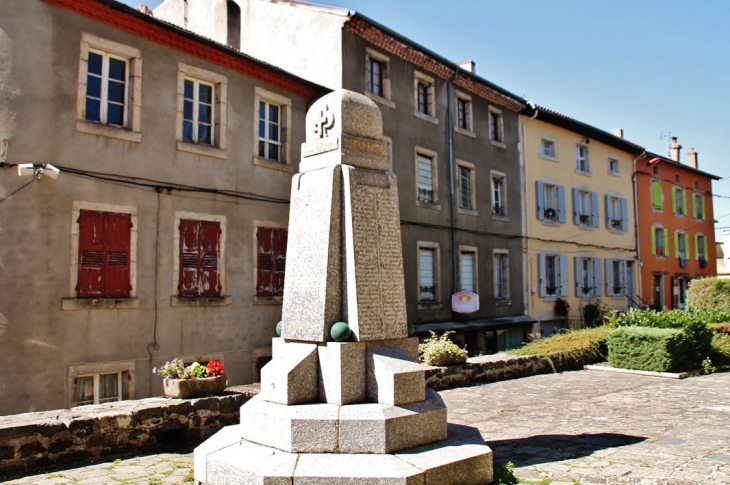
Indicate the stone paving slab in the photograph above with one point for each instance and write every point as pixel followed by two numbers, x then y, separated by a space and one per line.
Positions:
pixel 586 428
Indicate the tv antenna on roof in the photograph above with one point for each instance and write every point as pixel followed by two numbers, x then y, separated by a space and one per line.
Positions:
pixel 666 136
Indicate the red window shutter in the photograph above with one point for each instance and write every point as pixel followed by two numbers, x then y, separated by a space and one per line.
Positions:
pixel 91 254
pixel 189 257
pixel 117 242
pixel 279 244
pixel 265 263
pixel 210 258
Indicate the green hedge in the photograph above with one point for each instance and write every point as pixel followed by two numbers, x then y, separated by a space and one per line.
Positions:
pixel 709 294
pixel 650 349
pixel 667 319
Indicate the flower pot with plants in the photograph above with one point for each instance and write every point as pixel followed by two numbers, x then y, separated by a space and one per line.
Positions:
pixel 195 380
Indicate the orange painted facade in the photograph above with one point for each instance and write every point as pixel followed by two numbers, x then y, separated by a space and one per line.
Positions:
pixel 676 229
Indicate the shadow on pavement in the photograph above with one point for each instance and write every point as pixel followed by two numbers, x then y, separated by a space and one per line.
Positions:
pixel 556 447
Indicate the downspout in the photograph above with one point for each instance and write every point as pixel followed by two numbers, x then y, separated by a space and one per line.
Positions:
pixel 452 201
pixel 526 266
pixel 636 222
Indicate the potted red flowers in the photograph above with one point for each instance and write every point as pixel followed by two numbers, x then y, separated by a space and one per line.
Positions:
pixel 194 380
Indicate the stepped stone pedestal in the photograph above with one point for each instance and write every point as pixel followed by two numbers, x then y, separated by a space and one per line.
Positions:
pixel 344 412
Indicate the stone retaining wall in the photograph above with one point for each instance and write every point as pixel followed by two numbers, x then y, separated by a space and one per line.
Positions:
pixel 34 441
pixel 491 368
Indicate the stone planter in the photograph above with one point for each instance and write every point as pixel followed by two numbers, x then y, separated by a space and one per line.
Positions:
pixel 187 388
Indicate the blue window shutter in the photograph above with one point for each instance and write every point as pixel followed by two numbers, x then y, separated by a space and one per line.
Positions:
pixel 561 204
pixel 624 215
pixel 541 275
pixel 564 279
pixel 576 214
pixel 577 270
pixel 609 276
pixel 597 281
pixel 539 196
pixel 609 216
pixel 594 209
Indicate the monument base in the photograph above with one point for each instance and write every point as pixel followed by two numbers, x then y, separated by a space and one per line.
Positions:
pixel 226 459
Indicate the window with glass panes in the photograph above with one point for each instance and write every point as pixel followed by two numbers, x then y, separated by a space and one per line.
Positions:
pixel 462 110
pixel 501 290
pixel 106 89
pixel 550 194
pixel 375 70
pixel 270 131
pixel 618 277
pixel 659 241
pixel 587 276
pixel 98 388
pixel 551 274
pixel 425 179
pixel 699 207
pixel 465 199
pixel 422 94
pixel 582 159
pixel 547 148
pixel 426 274
pixel 495 132
pixel 467 264
pixel 498 196
pixel 198 116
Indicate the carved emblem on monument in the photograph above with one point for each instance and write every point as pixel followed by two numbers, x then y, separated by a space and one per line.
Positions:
pixel 326 122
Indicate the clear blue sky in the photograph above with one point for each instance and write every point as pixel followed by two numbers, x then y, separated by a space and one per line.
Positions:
pixel 649 67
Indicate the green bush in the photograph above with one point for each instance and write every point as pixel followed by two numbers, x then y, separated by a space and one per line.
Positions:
pixel 581 346
pixel 699 338
pixel 667 319
pixel 720 353
pixel 709 294
pixel 441 350
pixel 650 349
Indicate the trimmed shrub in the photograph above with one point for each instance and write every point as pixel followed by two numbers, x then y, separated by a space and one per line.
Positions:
pixel 580 346
pixel 646 348
pixel 667 319
pixel 441 351
pixel 709 294
pixel 699 340
pixel 720 353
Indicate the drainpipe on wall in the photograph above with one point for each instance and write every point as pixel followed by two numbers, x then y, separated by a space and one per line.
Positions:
pixel 636 221
pixel 526 266
pixel 452 201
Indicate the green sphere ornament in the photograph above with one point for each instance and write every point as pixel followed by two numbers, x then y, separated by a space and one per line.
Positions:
pixel 278 329
pixel 340 332
pixel 411 328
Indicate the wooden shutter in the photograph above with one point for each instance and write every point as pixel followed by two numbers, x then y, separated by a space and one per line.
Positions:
pixel 265 263
pixel 539 197
pixel 609 214
pixel 595 213
pixel 210 249
pixel 117 241
pixel 561 203
pixel 189 257
pixel 91 254
pixel 653 240
pixel 576 206
pixel 656 193
pixel 597 277
pixel 541 275
pixel 674 200
pixel 564 280
pixel 624 215
pixel 199 258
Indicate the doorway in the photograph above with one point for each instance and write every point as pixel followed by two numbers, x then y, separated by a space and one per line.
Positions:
pixel 630 283
pixel 658 286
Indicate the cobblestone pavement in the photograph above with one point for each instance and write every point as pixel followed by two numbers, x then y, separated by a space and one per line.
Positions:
pixel 586 428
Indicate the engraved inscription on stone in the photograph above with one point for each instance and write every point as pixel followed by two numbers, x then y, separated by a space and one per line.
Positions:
pixel 317 147
pixel 364 148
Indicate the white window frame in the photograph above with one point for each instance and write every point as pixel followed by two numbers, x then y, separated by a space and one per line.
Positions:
pixel 613 159
pixel 175 299
pixel 469 118
pixel 123 368
pixel 74 303
pixel 133 95
pixel 196 109
pixel 435 248
pixel 472 209
pixel 431 155
pixel 679 201
pixel 385 99
pixel 430 85
pixel 583 196
pixel 582 158
pixel 544 138
pixel 285 116
pixel 496 113
pixel 471 251
pixel 502 254
pixel 657 242
pixel 220 111
pixel 621 278
pixel 699 213
pixel 615 212
pixel 502 194
pixel 556 258
pixel 554 201
pixel 591 276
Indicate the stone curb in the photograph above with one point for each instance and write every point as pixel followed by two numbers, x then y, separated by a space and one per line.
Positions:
pixel 667 375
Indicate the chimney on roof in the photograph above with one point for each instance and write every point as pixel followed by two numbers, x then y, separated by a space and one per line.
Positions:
pixel 692 158
pixel 469 65
pixel 674 149
pixel 619 132
pixel 144 9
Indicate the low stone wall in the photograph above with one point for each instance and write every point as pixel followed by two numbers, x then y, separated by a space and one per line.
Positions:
pixel 501 367
pixel 35 441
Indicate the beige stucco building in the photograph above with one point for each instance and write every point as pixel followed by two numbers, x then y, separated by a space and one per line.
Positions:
pixel 164 234
pixel 580 223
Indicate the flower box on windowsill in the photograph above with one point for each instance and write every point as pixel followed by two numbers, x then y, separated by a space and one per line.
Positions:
pixel 584 219
pixel 659 252
pixel 550 214
pixel 188 388
pixel 615 223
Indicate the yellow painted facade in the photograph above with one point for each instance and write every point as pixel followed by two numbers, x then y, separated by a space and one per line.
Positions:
pixel 579 221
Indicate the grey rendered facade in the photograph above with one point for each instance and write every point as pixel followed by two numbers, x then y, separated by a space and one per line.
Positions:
pixel 333 47
pixel 50 339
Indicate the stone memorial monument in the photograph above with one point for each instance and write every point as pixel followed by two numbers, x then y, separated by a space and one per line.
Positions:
pixel 344 402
